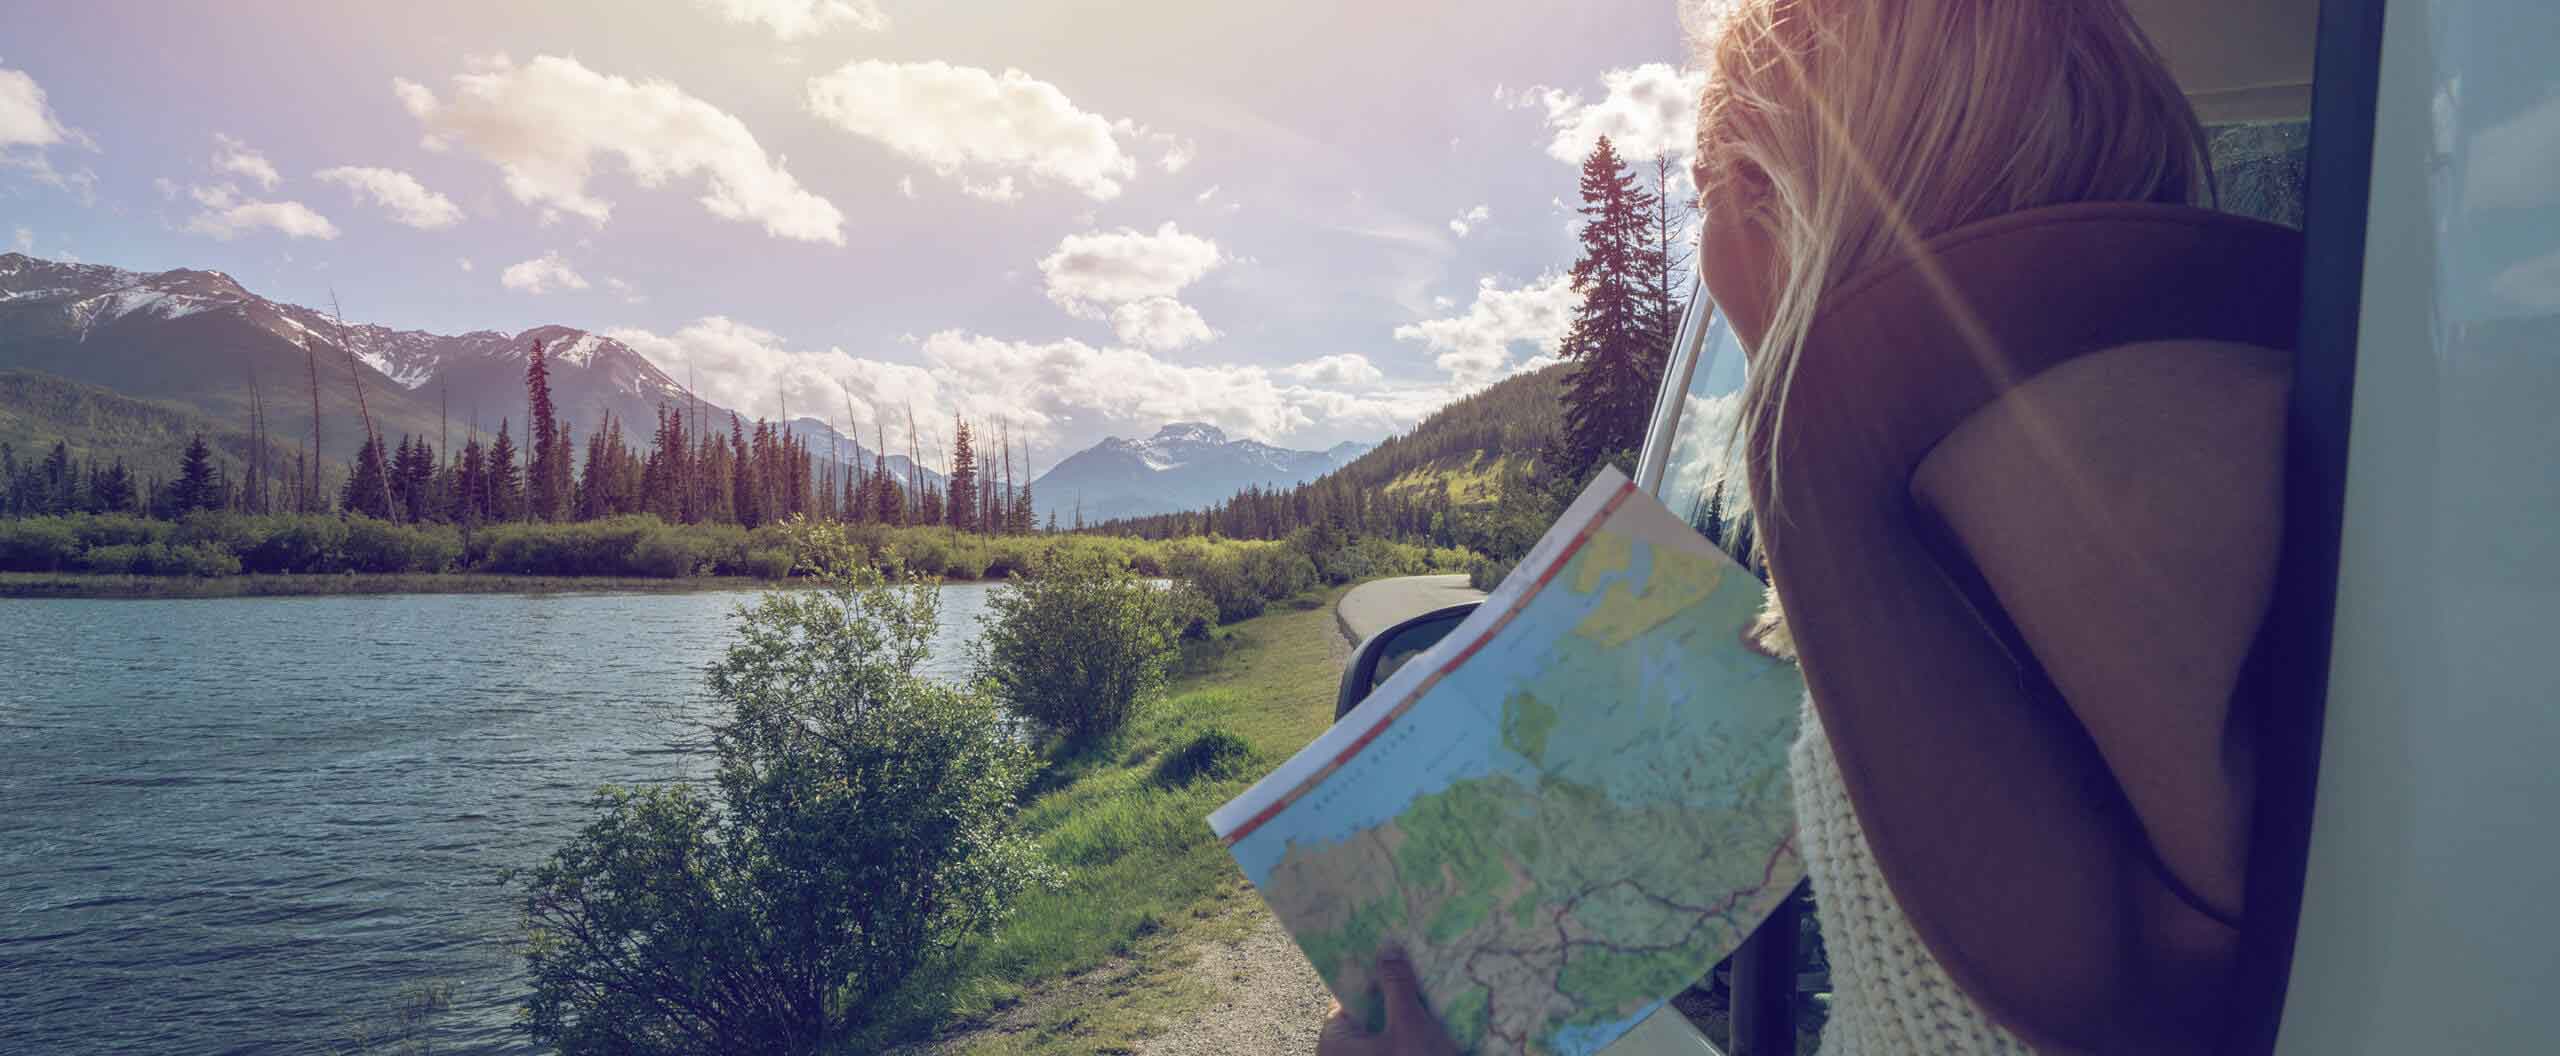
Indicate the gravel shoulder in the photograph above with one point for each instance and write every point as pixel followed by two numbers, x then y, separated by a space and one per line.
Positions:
pixel 1266 997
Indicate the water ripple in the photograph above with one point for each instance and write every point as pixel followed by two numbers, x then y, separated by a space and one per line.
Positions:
pixel 240 825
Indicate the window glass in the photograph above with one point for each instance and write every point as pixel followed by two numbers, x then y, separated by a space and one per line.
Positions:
pixel 1699 478
pixel 2258 166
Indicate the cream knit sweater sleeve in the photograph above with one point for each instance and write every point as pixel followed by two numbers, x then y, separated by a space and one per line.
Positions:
pixel 1889 996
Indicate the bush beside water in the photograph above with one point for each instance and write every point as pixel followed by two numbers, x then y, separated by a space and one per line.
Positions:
pixel 1079 648
pixel 859 826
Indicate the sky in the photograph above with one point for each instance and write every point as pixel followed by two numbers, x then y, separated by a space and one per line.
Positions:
pixel 1304 223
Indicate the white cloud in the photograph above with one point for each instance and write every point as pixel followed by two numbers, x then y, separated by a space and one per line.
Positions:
pixel 544 124
pixel 231 157
pixel 1348 368
pixel 1054 385
pixel 541 275
pixel 1649 111
pixel 982 128
pixel 1160 324
pixel 1061 396
pixel 2512 163
pixel 907 186
pixel 624 290
pixel 28 126
pixel 26 119
pixel 464 261
pixel 1092 271
pixel 2533 283
pixel 1476 346
pixel 25 240
pixel 408 201
pixel 1467 221
pixel 795 19
pixel 1000 189
pixel 1178 155
pixel 227 214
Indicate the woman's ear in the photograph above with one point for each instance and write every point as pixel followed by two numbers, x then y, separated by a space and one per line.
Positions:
pixel 1737 252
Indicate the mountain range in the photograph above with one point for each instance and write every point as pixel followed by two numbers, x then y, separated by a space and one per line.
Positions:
pixel 200 341
pixel 1184 466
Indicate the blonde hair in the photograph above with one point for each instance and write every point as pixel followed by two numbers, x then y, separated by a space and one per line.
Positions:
pixel 1854 130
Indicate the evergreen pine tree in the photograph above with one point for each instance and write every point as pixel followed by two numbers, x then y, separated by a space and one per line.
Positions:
pixel 368 489
pixel 963 508
pixel 413 476
pixel 195 489
pixel 61 484
pixel 595 486
pixel 469 499
pixel 116 489
pixel 502 496
pixel 745 489
pixel 1613 341
pixel 544 476
pixel 890 506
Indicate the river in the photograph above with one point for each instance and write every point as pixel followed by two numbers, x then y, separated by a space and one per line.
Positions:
pixel 246 825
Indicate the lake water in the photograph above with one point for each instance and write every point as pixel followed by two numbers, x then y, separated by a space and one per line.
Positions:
pixel 241 825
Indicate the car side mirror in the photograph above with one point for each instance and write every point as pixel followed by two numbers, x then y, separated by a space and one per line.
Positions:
pixel 1389 649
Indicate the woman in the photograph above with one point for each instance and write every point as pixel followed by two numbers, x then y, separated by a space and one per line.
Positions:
pixel 2013 434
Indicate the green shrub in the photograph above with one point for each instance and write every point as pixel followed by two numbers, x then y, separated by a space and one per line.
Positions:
pixel 1486 573
pixel 722 546
pixel 381 546
pixel 37 544
pixel 668 555
pixel 922 554
pixel 769 563
pixel 299 544
pixel 1077 649
pixel 1008 558
pixel 1229 586
pixel 235 533
pixel 111 529
pixel 1150 564
pixel 966 562
pixel 207 560
pixel 1216 754
pixel 120 559
pixel 1187 610
pixel 858 827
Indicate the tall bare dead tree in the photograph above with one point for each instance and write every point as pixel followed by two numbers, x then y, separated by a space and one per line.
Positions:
pixel 355 376
pixel 311 492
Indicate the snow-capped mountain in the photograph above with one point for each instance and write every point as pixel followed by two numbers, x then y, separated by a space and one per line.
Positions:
pixel 1184 466
pixel 827 442
pixel 199 337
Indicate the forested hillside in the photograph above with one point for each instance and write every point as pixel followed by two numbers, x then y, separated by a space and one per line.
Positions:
pixel 1445 482
pixel 1491 472
pixel 97 425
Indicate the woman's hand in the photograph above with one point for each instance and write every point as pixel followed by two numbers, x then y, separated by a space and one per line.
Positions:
pixel 1411 1030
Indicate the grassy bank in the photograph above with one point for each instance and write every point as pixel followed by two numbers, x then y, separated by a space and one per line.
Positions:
pixel 1129 821
pixel 97 585
pixel 212 554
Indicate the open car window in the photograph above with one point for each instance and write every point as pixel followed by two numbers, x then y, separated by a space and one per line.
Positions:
pixel 1699 481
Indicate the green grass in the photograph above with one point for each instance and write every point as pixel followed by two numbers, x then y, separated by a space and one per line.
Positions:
pixel 88 585
pixel 1145 876
pixel 1476 481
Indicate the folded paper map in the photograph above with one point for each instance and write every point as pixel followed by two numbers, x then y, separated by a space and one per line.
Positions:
pixel 1567 811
